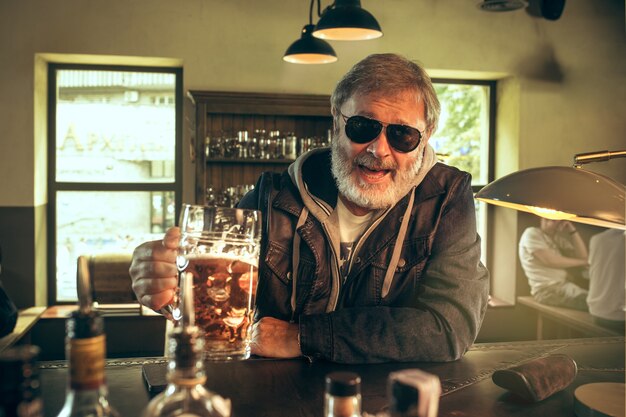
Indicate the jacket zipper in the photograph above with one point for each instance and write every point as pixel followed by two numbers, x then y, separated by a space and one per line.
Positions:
pixel 357 247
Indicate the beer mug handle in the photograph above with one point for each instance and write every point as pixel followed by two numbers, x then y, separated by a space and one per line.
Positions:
pixel 173 311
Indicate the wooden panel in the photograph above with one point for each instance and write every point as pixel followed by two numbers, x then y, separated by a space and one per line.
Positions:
pixel 224 175
pixel 223 114
pixel 263 103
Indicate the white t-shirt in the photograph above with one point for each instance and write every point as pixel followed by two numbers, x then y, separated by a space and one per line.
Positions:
pixel 351 227
pixel 539 275
pixel 607 276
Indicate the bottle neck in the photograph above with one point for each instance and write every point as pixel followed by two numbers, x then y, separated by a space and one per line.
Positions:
pixel 88 395
pixel 187 375
pixel 186 366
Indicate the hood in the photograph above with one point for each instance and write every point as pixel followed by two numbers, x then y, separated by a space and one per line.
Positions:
pixel 311 173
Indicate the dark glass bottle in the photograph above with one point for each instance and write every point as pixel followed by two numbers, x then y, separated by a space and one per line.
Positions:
pixel 342 395
pixel 19 382
pixel 85 351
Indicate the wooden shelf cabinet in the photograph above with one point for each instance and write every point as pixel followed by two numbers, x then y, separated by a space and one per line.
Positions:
pixel 216 111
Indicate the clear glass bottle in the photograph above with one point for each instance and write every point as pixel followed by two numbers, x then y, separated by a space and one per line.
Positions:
pixel 243 145
pixel 85 351
pixel 342 396
pixel 20 395
pixel 185 395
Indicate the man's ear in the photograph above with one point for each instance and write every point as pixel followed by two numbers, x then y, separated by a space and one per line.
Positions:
pixel 335 113
pixel 426 136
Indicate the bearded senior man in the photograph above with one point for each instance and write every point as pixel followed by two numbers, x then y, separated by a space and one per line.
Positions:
pixel 371 251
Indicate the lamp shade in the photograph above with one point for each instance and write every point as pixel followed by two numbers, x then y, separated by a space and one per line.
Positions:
pixel 561 193
pixel 346 20
pixel 310 50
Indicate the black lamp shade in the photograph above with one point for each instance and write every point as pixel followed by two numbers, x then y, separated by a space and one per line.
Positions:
pixel 346 20
pixel 561 193
pixel 310 50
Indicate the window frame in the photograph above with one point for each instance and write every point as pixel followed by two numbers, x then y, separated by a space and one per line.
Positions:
pixel 492 84
pixel 53 186
pixel 487 236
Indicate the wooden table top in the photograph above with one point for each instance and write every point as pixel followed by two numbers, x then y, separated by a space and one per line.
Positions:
pixel 276 388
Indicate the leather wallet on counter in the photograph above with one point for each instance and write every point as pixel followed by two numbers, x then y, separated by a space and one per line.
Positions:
pixel 539 378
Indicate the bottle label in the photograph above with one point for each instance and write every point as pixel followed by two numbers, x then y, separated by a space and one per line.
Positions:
pixel 343 407
pixel 86 362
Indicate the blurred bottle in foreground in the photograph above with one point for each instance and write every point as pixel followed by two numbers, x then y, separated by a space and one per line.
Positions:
pixel 185 394
pixel 412 393
pixel 85 351
pixel 343 395
pixel 19 382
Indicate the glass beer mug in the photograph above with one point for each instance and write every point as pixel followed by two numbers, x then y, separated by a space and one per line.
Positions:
pixel 219 251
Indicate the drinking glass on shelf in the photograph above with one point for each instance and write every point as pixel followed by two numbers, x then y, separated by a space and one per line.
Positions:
pixel 219 252
pixel 306 144
pixel 231 145
pixel 291 145
pixel 216 145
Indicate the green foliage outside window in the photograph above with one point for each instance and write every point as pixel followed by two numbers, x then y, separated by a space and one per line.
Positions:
pixel 461 139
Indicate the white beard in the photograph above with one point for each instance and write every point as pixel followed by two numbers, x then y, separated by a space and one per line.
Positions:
pixel 366 195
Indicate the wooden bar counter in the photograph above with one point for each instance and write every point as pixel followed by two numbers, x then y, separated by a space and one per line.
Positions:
pixel 295 388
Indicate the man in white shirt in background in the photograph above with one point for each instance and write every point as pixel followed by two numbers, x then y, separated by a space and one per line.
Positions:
pixel 546 252
pixel 607 278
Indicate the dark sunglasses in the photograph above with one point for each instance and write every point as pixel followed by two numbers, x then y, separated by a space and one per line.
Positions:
pixel 361 129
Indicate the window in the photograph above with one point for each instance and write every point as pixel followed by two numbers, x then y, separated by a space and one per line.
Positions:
pixel 114 163
pixel 465 136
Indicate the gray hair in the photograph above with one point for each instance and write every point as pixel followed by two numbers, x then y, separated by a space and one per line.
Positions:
pixel 386 74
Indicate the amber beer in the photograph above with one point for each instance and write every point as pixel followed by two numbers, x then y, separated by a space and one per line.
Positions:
pixel 224 288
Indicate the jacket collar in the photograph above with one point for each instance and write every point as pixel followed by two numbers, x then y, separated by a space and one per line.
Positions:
pixel 320 182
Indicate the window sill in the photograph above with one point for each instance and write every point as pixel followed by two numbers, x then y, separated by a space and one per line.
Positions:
pixel 495 302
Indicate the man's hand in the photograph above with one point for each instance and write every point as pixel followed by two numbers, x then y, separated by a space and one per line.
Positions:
pixel 275 338
pixel 566 226
pixel 153 270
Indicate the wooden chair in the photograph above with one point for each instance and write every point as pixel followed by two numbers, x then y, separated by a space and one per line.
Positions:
pixel 109 281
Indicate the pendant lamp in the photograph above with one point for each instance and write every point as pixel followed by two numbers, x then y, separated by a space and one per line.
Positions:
pixel 346 20
pixel 308 49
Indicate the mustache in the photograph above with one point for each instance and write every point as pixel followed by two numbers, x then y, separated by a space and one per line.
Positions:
pixel 370 161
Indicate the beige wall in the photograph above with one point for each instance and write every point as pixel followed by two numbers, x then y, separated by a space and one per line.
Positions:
pixel 237 45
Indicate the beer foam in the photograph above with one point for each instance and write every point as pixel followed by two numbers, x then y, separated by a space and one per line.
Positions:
pixel 250 259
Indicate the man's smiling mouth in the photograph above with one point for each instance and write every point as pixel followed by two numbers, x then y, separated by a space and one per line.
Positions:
pixel 373 173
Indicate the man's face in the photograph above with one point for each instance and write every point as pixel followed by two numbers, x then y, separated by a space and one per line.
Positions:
pixel 374 175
